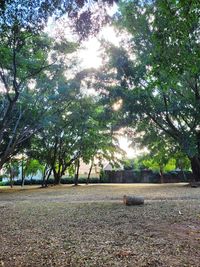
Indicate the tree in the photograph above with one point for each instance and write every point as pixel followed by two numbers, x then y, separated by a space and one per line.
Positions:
pixel 163 154
pixel 76 131
pixel 18 66
pixel 159 163
pixel 32 167
pixel 158 75
pixel 129 164
pixel 25 57
pixel 87 16
pixel 12 170
pixel 97 140
pixel 55 145
pixel 26 52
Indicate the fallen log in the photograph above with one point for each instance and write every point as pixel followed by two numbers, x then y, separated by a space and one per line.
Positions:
pixel 136 200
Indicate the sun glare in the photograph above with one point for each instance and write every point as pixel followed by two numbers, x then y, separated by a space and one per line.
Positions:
pixel 90 54
pixel 125 145
pixel 117 105
pixel 109 34
pixel 130 152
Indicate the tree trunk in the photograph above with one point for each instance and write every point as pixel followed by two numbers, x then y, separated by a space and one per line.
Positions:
pixel 195 165
pixel 11 181
pixel 31 179
pixel 184 176
pixel 48 176
pixel 23 177
pixel 44 176
pixel 89 173
pixel 161 176
pixel 57 178
pixel 77 173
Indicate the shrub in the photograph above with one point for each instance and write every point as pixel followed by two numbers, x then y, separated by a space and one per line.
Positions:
pixel 66 180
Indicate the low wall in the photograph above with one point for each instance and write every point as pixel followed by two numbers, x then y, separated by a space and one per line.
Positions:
pixel 145 176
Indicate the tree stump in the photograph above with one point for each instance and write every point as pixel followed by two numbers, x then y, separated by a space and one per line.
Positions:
pixel 136 200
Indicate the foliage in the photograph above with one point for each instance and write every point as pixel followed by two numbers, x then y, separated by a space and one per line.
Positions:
pixel 103 177
pixel 27 53
pixel 64 180
pixel 87 17
pixel 32 167
pixel 157 165
pixel 75 132
pixel 157 76
pixel 12 168
pixel 129 164
pixel 25 57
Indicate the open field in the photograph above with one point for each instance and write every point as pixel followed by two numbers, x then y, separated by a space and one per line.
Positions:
pixel 89 226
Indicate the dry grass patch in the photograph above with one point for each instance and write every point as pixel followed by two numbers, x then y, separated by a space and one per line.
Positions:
pixel 89 226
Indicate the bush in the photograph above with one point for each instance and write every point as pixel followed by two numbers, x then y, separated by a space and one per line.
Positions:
pixel 66 180
pixel 2 183
pixel 26 182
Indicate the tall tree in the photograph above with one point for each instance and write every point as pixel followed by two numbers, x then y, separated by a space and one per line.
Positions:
pixel 158 75
pixel 53 146
pixel 25 54
pixel 96 136
pixel 12 170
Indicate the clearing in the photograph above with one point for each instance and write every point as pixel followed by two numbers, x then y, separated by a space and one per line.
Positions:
pixel 89 226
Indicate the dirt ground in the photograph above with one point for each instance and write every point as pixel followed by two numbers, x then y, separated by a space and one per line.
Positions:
pixel 89 226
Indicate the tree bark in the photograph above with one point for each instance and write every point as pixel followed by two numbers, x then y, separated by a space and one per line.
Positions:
pixel 48 176
pixel 195 166
pixel 184 176
pixel 23 177
pixel 89 173
pixel 31 179
pixel 44 176
pixel 57 177
pixel 11 182
pixel 161 176
pixel 77 173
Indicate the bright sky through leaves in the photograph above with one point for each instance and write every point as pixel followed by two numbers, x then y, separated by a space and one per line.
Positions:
pixel 90 56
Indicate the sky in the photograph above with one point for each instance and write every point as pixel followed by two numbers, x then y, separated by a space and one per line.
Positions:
pixel 131 152
pixel 90 54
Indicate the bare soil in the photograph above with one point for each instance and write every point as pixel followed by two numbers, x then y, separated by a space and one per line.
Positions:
pixel 87 226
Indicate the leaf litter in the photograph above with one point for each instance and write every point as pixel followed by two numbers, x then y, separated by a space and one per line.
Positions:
pixel 89 226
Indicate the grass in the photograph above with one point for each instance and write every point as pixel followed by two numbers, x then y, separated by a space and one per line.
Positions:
pixel 89 226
